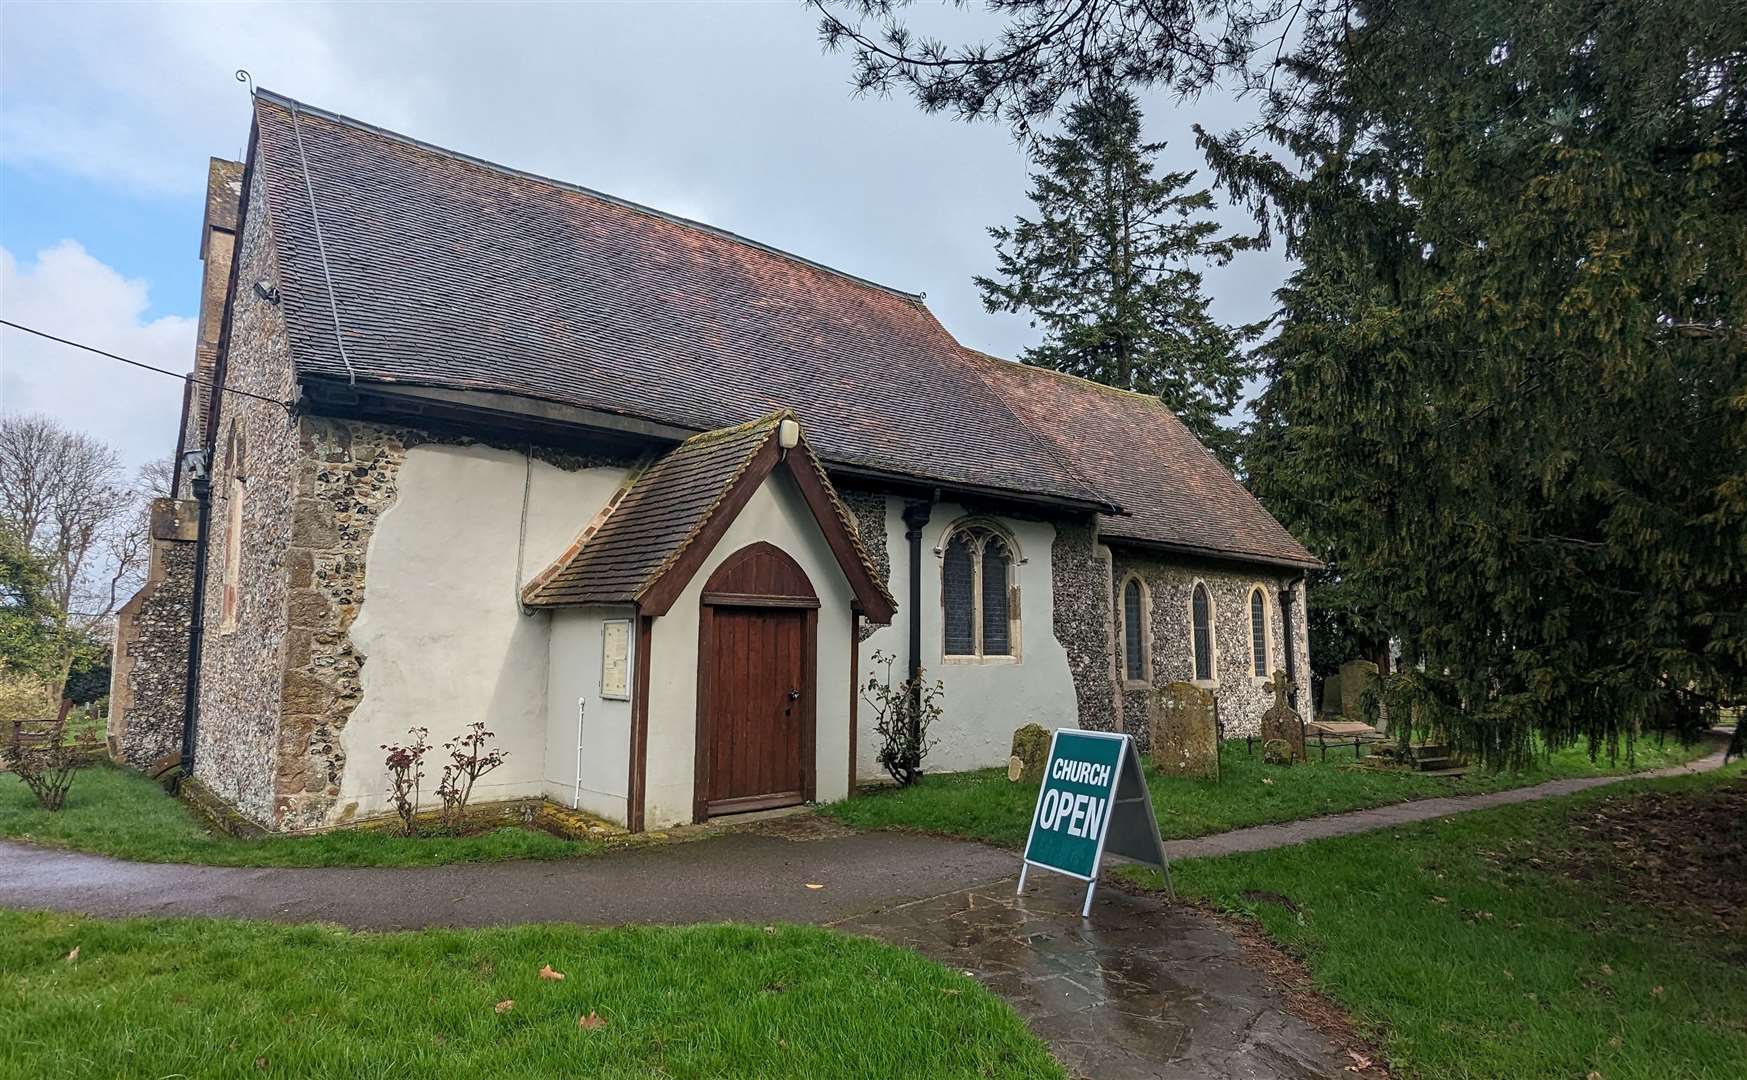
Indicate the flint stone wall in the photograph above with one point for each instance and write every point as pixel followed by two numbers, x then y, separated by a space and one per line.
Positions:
pixel 242 666
pixel 1080 573
pixel 1242 697
pixel 149 680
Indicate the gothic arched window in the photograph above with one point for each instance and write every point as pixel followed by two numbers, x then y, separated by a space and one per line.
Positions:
pixel 976 593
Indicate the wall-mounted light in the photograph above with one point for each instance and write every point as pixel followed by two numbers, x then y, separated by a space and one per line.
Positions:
pixel 788 434
pixel 266 292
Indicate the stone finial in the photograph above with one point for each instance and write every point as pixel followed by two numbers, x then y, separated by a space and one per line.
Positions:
pixel 1280 686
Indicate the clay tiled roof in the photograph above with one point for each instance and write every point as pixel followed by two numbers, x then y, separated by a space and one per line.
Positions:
pixel 452 272
pixel 1176 494
pixel 663 511
pixel 455 273
pixel 656 516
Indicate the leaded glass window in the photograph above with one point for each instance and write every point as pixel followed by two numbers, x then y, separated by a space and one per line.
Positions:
pixel 1133 632
pixel 977 594
pixel 1258 634
pixel 1201 618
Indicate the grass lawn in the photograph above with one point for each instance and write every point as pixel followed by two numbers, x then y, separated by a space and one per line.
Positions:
pixel 114 812
pixel 984 805
pixel 1600 934
pixel 211 998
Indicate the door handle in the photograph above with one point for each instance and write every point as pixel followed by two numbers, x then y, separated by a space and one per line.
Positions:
pixel 794 695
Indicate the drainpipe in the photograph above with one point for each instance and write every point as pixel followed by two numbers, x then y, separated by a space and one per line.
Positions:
pixel 1287 595
pixel 916 516
pixel 201 485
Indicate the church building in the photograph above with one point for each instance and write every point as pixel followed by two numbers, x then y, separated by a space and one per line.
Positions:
pixel 650 500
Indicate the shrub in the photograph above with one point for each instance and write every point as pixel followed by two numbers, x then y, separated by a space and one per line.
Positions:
pixel 35 727
pixel 903 715
pixel 466 765
pixel 406 771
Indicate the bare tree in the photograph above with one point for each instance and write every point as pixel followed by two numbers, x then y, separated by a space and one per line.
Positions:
pixel 63 493
pixel 157 478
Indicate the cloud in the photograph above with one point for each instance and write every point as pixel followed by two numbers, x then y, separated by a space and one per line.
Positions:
pixel 67 292
pixel 726 112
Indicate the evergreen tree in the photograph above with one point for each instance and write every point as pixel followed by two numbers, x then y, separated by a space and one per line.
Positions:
pixel 1105 269
pixel 1509 394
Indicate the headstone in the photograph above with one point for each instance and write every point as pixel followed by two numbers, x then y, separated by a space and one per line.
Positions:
pixel 1331 698
pixel 1185 732
pixel 1282 724
pixel 1030 751
pixel 1357 676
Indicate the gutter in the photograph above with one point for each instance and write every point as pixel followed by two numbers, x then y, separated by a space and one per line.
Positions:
pixel 916 515
pixel 474 405
pixel 201 485
pixel 1222 555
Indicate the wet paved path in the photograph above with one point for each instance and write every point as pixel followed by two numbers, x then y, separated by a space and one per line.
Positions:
pixel 1140 989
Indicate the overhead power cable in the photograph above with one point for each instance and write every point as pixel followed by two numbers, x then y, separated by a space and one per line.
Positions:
pixel 141 364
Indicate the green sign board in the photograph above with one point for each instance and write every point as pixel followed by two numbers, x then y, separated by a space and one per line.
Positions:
pixel 1093 799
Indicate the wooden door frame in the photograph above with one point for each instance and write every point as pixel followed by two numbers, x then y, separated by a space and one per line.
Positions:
pixel 787 601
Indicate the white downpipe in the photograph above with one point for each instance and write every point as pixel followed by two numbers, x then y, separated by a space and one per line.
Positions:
pixel 581 710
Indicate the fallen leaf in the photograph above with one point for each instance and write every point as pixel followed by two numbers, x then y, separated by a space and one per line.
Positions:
pixel 1607 969
pixel 1440 900
pixel 1657 992
pixel 261 1063
pixel 1267 780
pixel 506 1005
pixel 810 885
pixel 1594 1076
pixel 74 955
pixel 546 972
pixel 953 990
pixel 591 1021
pixel 770 929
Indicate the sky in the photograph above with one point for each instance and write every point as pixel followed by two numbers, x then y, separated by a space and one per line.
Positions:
pixel 726 112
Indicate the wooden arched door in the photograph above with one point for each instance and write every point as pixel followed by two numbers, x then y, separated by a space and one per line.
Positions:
pixel 757 661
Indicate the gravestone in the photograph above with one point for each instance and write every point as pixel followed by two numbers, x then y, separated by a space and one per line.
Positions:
pixel 1282 724
pixel 1030 750
pixel 1331 698
pixel 1357 676
pixel 1184 726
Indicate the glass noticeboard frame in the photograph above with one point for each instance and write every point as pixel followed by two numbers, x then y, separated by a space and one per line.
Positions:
pixel 616 659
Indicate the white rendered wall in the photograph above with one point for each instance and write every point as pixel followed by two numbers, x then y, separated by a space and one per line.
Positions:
pixel 441 630
pixel 776 514
pixel 594 780
pixel 983 701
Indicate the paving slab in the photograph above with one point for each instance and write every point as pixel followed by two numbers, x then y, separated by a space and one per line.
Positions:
pixel 1141 988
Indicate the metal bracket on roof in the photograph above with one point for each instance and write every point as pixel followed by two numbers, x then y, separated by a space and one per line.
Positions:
pixel 243 76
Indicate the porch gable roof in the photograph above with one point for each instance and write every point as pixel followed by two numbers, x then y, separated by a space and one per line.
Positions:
pixel 656 532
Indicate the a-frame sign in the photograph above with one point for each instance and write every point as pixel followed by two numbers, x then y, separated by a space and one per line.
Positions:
pixel 1093 799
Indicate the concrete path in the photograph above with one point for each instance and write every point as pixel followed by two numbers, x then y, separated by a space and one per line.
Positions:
pixel 1263 837
pixel 758 875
